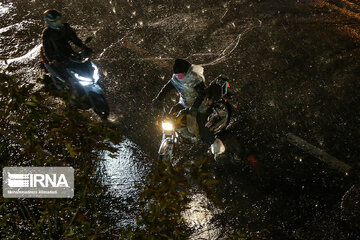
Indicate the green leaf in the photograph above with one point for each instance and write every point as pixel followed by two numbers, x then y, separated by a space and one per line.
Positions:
pixel 32 104
pixel 34 99
pixel 71 149
pixel 112 155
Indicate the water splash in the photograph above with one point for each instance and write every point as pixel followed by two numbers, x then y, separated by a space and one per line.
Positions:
pixel 5 8
pixel 31 55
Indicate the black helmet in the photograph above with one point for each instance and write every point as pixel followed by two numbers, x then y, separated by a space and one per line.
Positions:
pixel 181 66
pixel 53 19
pixel 51 15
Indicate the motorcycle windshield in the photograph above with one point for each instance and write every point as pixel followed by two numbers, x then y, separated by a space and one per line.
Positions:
pixel 84 67
pixel 82 71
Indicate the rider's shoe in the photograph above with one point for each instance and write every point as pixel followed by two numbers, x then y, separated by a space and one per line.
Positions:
pixel 217 147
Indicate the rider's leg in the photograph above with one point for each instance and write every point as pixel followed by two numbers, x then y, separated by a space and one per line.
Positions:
pixel 204 131
pixel 216 145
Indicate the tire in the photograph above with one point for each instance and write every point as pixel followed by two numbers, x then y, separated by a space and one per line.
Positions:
pixel 219 117
pixel 99 105
pixel 166 158
pixel 168 154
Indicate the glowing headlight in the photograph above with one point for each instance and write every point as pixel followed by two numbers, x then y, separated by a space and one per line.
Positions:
pixel 82 78
pixel 167 126
pixel 96 72
pixel 85 83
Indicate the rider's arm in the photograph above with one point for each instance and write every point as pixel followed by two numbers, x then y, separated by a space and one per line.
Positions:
pixel 200 89
pixel 166 88
pixel 50 51
pixel 73 37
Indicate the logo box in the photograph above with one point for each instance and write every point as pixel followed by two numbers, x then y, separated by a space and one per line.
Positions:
pixel 38 182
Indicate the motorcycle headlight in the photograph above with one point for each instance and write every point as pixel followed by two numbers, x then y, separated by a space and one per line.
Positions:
pixel 81 78
pixel 167 126
pixel 85 83
pixel 96 72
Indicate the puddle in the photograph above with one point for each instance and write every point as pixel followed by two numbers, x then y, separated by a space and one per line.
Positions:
pixel 199 216
pixel 122 172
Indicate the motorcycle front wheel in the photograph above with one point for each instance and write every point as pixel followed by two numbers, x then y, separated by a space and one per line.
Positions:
pixel 99 105
pixel 166 150
pixel 219 117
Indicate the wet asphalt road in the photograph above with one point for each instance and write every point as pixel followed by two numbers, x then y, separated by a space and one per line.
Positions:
pixel 293 69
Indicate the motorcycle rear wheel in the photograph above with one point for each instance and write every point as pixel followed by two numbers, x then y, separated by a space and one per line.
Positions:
pixel 219 117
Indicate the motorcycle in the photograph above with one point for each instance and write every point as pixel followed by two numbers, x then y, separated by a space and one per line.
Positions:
pixel 80 79
pixel 182 127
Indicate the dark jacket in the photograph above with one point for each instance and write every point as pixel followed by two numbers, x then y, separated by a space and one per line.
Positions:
pixel 56 42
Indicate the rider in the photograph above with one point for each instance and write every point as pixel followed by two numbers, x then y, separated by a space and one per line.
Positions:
pixel 188 79
pixel 56 37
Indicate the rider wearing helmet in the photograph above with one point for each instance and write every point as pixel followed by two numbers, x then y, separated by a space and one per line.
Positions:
pixel 56 37
pixel 189 81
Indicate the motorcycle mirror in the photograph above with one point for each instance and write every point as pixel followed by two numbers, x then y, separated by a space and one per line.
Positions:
pixel 88 40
